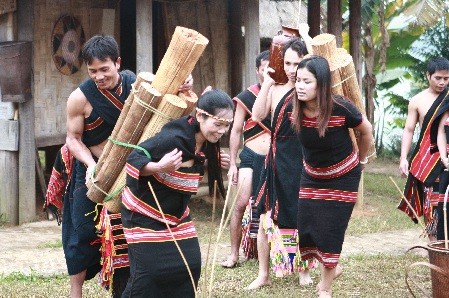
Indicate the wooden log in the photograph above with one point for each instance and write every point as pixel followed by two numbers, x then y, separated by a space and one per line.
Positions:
pixel 141 77
pixel 184 50
pixel 190 99
pixel 145 100
pixel 171 107
pixel 336 87
pixel 186 47
pixel 351 89
pixel 324 45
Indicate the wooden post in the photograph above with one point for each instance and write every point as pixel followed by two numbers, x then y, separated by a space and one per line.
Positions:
pixel 334 23
pixel 355 35
pixel 250 9
pixel 144 35
pixel 27 145
pixel 9 164
pixel 313 17
pixel 237 63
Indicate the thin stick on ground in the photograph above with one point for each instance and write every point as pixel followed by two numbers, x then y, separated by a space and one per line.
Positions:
pixel 220 231
pixel 211 231
pixel 174 239
pixel 408 204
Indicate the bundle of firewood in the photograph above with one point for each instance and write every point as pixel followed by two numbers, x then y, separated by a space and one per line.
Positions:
pixel 151 103
pixel 343 75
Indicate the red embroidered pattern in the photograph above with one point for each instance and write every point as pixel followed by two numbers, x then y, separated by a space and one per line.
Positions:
pixel 333 171
pixel 93 125
pixel 187 182
pixel 183 231
pixel 329 260
pixel 327 194
pixel 134 204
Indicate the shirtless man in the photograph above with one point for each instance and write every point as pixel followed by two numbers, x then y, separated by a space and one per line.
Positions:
pixel 438 77
pixel 420 172
pixel 256 140
pixel 92 111
pixel 279 194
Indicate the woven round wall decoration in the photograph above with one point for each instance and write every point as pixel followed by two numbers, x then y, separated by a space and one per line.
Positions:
pixel 67 40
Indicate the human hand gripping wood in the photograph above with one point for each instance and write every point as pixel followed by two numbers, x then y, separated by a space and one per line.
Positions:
pixel 187 85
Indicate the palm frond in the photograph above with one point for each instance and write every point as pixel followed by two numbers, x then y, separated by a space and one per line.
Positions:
pixel 427 12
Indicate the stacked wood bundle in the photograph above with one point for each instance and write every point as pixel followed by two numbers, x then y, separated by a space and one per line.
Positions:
pixel 178 62
pixel 343 76
pixel 350 87
pixel 324 45
pixel 190 98
pixel 171 107
pixel 141 77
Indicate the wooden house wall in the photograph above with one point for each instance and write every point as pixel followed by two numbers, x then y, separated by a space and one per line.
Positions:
pixel 210 18
pixel 52 88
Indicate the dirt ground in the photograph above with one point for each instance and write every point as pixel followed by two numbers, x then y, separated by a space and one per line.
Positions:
pixel 34 247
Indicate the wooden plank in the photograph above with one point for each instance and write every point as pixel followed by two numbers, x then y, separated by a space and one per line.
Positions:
pixel 102 21
pixel 9 173
pixel 40 175
pixel 236 41
pixel 27 145
pixel 9 132
pixel 144 36
pixel 9 188
pixel 6 110
pixel 252 40
pixel 219 41
pixel 52 140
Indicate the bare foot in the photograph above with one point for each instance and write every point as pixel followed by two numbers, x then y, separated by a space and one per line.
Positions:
pixel 324 294
pixel 304 278
pixel 229 263
pixel 338 272
pixel 259 282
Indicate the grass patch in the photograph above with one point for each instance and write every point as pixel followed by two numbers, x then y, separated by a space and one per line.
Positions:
pixel 51 244
pixel 379 212
pixel 364 275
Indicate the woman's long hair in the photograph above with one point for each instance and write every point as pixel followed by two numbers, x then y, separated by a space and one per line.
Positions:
pixel 319 67
pixel 213 102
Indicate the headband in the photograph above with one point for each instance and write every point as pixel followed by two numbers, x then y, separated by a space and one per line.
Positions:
pixel 212 116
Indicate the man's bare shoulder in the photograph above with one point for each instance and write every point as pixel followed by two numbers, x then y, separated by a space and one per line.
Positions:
pixel 77 97
pixel 425 95
pixel 77 102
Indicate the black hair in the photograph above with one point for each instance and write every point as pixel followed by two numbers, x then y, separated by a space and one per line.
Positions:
pixel 100 47
pixel 319 67
pixel 265 55
pixel 213 102
pixel 296 44
pixel 438 63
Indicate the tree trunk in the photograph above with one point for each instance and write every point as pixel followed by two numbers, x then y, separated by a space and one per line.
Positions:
pixel 334 23
pixel 369 79
pixel 355 35
pixel 313 17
